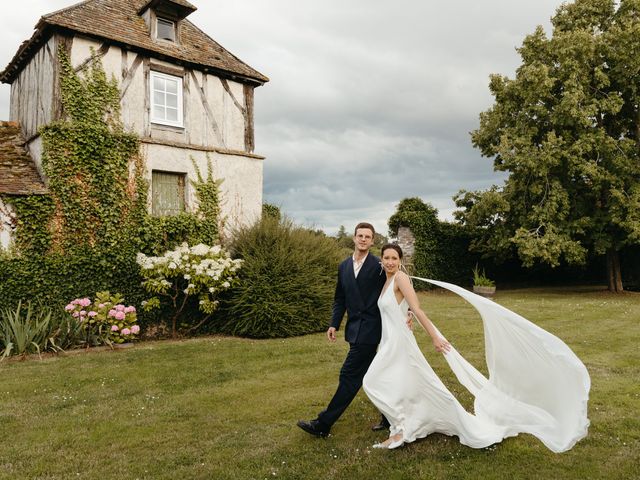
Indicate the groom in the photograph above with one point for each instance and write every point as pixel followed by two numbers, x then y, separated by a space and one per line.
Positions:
pixel 360 281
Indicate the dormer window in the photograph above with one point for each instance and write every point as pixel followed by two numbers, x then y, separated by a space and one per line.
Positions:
pixel 165 29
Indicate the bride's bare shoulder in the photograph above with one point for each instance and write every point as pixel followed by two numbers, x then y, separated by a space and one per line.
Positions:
pixel 402 277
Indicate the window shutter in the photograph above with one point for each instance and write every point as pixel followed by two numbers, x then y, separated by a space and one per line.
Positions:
pixel 167 193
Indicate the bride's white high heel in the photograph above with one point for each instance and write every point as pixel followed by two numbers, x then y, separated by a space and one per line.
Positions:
pixel 396 444
pixel 390 445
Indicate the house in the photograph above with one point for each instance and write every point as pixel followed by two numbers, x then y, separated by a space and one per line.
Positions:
pixel 182 93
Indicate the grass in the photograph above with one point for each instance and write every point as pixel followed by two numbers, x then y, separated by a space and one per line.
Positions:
pixel 225 408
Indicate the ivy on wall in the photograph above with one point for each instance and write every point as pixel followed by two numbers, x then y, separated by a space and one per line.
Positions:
pixel 84 236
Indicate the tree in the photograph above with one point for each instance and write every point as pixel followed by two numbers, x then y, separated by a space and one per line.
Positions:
pixel 567 129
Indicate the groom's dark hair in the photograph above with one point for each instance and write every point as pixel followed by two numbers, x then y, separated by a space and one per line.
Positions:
pixel 365 225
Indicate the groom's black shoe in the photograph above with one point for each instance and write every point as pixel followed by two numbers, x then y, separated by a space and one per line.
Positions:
pixel 383 425
pixel 314 427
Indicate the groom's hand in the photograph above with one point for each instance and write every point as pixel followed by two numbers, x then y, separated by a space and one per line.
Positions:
pixel 410 316
pixel 331 334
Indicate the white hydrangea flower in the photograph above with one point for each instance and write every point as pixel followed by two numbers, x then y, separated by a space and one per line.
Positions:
pixel 200 249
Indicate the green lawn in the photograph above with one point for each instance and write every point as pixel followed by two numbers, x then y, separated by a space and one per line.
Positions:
pixel 225 408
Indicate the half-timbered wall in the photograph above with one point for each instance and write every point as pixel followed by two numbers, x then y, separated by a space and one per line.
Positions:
pixel 214 108
pixel 32 91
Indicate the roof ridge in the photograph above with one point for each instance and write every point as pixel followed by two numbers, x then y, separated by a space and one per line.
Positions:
pixel 66 9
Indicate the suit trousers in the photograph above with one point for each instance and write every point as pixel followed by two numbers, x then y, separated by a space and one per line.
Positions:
pixel 351 374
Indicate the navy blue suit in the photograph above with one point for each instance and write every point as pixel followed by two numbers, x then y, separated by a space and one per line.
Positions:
pixel 358 296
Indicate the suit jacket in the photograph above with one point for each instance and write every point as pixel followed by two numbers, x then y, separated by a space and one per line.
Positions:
pixel 359 298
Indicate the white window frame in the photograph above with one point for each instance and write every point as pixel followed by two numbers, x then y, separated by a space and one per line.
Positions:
pixel 173 24
pixel 164 121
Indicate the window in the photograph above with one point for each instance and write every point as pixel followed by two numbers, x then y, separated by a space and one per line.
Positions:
pixel 166 99
pixel 167 190
pixel 166 30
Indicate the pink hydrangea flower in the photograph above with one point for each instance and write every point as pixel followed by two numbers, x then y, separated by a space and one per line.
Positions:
pixel 119 315
pixel 114 328
pixel 69 307
pixel 83 313
pixel 112 313
pixel 125 331
pixel 92 313
pixel 119 308
pixel 76 314
pixel 101 305
pixel 130 309
pixel 135 329
pixel 85 302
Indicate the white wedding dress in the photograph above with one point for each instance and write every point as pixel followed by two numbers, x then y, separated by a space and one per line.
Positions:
pixel 536 383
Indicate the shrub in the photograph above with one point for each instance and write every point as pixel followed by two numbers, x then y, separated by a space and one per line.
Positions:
pixel 186 272
pixel 106 320
pixel 23 332
pixel 286 284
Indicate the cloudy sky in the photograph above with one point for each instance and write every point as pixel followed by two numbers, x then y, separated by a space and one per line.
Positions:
pixel 370 101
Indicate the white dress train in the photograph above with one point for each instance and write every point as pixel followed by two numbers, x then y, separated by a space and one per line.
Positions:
pixel 536 384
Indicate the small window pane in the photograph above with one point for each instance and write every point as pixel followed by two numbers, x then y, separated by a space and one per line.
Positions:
pixel 158 83
pixel 172 87
pixel 172 114
pixel 166 30
pixel 172 101
pixel 158 112
pixel 159 98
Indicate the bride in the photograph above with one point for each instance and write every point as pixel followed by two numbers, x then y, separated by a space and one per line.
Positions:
pixel 536 385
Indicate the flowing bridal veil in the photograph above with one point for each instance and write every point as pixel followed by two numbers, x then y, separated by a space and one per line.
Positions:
pixel 536 383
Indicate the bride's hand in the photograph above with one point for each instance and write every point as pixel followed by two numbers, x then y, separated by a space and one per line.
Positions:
pixel 441 345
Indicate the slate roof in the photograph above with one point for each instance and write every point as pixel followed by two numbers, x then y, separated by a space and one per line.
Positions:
pixel 118 21
pixel 18 173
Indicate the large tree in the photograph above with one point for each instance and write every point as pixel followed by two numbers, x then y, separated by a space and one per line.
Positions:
pixel 567 130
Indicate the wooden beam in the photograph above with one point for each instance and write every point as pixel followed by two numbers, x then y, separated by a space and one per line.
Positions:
pixel 127 77
pixel 102 51
pixel 225 84
pixel 207 108
pixel 249 131
pixel 147 96
pixel 169 70
pixel 200 148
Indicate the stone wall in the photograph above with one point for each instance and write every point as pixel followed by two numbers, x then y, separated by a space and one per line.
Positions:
pixel 407 240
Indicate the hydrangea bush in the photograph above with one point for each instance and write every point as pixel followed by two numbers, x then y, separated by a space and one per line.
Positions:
pixel 188 272
pixel 106 319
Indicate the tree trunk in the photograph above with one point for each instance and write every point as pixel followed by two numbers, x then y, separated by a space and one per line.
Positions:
pixel 614 274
